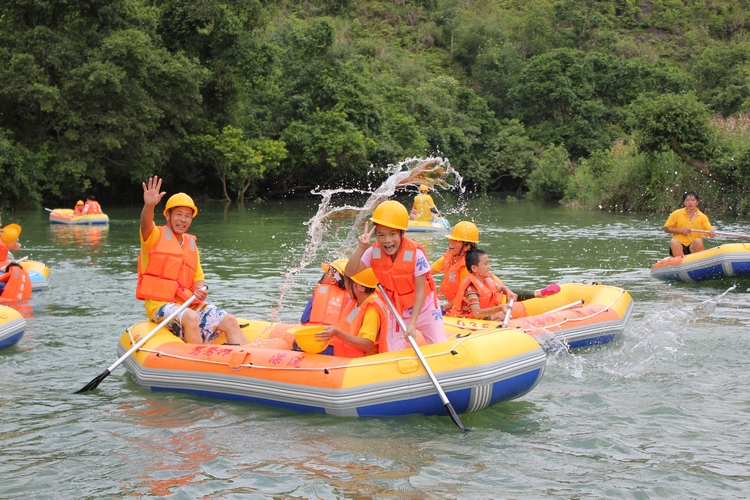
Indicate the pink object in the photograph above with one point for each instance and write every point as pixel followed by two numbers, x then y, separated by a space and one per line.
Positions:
pixel 550 290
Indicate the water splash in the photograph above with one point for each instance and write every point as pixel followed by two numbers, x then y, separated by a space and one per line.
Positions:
pixel 558 352
pixel 658 336
pixel 330 216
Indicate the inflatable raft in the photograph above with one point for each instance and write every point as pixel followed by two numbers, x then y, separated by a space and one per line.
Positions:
pixel 12 326
pixel 724 261
pixel 65 216
pixel 475 371
pixel 579 315
pixel 440 226
pixel 38 272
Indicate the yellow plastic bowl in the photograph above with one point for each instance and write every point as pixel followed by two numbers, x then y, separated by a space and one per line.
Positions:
pixel 305 337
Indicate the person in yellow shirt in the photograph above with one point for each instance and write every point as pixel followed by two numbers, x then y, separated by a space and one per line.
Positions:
pixel 424 208
pixel 169 272
pixel 681 223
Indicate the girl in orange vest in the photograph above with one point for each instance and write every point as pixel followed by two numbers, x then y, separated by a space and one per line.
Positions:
pixel 363 330
pixel 330 298
pixel 78 210
pixel 452 264
pixel 402 268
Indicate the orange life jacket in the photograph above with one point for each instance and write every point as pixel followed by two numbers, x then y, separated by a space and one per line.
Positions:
pixel 397 276
pixel 352 323
pixel 451 274
pixel 488 294
pixel 17 286
pixel 3 251
pixel 78 210
pixel 94 207
pixel 171 267
pixel 328 304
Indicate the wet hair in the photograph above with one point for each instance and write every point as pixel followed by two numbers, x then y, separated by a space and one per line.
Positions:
pixel 690 193
pixel 473 256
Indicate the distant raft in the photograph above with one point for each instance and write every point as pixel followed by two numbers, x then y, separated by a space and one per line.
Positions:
pixel 475 371
pixel 579 315
pixel 440 225
pixel 725 261
pixel 12 326
pixel 65 216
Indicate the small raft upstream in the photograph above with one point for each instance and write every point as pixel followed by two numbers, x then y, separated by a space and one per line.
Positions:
pixel 476 371
pixel 724 261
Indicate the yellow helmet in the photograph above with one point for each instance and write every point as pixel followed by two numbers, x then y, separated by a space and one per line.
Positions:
pixel 10 233
pixel 79 202
pixel 338 264
pixel 464 231
pixel 180 200
pixel 391 214
pixel 366 278
pixel 422 187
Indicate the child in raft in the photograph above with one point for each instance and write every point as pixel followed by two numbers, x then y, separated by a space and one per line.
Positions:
pixel 363 330
pixel 452 264
pixel 330 298
pixel 481 294
pixel 402 268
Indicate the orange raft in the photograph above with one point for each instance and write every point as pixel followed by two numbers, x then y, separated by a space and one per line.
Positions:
pixel 475 371
pixel 579 315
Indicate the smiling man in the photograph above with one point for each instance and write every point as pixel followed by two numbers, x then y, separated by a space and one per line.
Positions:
pixel 170 272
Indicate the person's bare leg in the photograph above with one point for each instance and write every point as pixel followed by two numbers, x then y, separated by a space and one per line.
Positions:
pixel 191 332
pixel 676 247
pixel 232 330
pixel 697 245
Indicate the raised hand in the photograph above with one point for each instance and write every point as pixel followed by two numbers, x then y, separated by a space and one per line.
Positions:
pixel 364 240
pixel 151 194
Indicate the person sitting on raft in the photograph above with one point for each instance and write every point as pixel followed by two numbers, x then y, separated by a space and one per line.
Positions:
pixel 452 264
pixel 78 210
pixel 483 295
pixel 91 207
pixel 9 241
pixel 681 223
pixel 170 272
pixel 402 268
pixel 362 332
pixel 330 297
pixel 423 208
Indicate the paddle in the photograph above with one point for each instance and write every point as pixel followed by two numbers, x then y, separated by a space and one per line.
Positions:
pixel 98 380
pixel 5 268
pixel 734 235
pixel 443 397
pixel 508 313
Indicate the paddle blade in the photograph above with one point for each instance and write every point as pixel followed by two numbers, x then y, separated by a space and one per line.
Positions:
pixel 454 416
pixel 94 383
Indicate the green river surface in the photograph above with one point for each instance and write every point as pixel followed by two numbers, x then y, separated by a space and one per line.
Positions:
pixel 662 412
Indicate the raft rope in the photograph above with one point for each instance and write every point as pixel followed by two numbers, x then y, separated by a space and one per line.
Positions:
pixel 451 350
pixel 555 325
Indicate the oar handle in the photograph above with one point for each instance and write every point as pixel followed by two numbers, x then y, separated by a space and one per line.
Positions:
pixel 569 306
pixel 420 356
pixel 508 313
pixel 150 334
pixel 717 233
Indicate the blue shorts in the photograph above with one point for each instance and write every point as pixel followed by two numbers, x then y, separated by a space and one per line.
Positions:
pixel 209 318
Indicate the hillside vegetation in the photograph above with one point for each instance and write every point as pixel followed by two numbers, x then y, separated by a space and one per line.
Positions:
pixel 618 104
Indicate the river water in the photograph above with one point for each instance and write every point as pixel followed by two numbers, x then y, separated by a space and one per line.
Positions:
pixel 662 412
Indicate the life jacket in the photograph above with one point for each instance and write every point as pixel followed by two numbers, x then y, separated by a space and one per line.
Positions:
pixel 3 251
pixel 423 207
pixel 397 276
pixel 78 210
pixel 18 286
pixel 451 274
pixel 94 207
pixel 488 294
pixel 328 304
pixel 170 271
pixel 352 323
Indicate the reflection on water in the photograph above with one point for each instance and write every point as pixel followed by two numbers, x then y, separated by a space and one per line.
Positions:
pixel 92 237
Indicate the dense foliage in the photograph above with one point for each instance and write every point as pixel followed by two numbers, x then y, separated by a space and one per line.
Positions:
pixel 614 104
